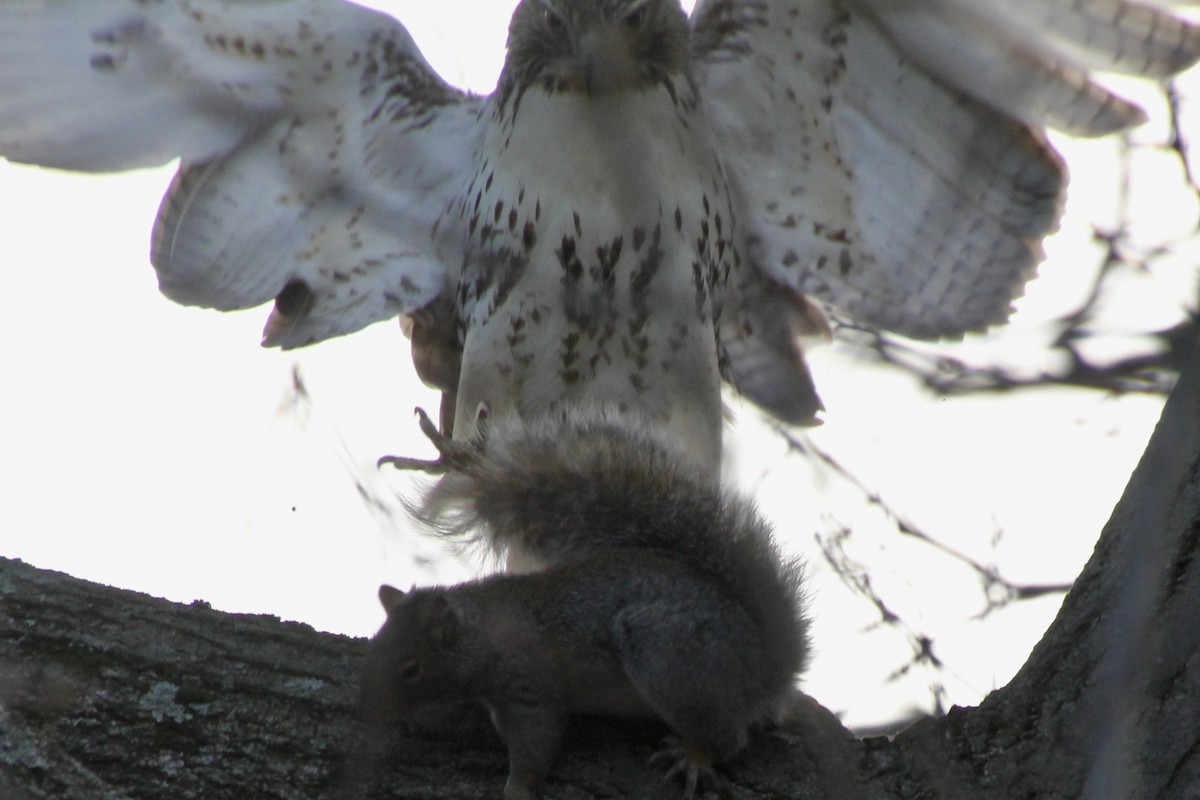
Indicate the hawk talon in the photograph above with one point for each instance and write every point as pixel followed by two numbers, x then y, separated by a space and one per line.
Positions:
pixel 435 466
pixel 451 454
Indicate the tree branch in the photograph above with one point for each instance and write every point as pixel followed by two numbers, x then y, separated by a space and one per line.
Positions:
pixel 111 694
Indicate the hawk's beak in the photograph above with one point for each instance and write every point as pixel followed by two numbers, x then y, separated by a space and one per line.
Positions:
pixel 606 63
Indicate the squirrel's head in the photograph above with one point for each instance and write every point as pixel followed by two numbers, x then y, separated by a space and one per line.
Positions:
pixel 414 658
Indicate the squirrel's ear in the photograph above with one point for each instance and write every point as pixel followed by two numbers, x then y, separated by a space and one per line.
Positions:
pixel 390 597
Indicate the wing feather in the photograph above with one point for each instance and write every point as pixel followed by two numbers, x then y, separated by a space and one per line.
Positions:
pixel 764 329
pixel 1111 35
pixel 1034 59
pixel 317 146
pixel 891 157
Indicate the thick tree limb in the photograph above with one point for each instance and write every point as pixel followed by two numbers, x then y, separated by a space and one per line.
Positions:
pixel 1107 706
pixel 107 694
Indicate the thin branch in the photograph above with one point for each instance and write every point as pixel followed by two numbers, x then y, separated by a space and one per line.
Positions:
pixel 997 590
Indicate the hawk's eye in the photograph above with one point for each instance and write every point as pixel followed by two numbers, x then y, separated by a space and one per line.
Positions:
pixel 635 18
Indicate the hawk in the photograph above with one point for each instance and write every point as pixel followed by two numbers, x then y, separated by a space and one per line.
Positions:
pixel 648 203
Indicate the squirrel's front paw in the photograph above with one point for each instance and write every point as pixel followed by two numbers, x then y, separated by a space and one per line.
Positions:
pixel 690 766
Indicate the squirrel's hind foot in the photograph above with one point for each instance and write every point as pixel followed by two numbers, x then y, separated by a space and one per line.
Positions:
pixel 691 767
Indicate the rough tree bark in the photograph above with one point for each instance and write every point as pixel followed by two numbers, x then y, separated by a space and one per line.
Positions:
pixel 110 694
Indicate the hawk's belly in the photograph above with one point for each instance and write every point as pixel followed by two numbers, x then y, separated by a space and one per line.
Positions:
pixel 599 257
pixel 640 339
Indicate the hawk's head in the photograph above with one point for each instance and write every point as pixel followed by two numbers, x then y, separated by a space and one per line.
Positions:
pixel 596 46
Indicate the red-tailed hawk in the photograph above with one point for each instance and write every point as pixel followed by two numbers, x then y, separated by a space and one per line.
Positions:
pixel 643 207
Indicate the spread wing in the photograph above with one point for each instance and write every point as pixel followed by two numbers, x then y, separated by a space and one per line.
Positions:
pixel 317 146
pixel 891 156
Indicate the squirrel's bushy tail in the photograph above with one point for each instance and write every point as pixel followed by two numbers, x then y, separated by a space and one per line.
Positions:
pixel 556 490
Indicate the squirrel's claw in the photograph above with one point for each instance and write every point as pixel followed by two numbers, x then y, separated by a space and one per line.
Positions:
pixel 690 766
pixel 451 454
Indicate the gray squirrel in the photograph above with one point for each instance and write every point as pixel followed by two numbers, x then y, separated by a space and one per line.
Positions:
pixel 657 595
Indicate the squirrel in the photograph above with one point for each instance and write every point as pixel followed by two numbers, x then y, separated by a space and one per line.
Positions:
pixel 658 595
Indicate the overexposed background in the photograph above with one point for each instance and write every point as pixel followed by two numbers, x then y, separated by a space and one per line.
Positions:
pixel 158 448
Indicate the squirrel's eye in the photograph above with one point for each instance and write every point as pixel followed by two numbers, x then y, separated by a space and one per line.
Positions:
pixel 410 670
pixel 554 23
pixel 635 18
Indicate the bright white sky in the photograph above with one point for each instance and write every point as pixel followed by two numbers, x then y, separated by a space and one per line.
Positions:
pixel 157 448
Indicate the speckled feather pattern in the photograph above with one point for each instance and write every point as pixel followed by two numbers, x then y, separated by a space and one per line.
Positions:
pixel 589 279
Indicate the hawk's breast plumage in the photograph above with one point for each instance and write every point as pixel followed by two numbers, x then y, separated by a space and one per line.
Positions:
pixel 647 204
pixel 590 278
